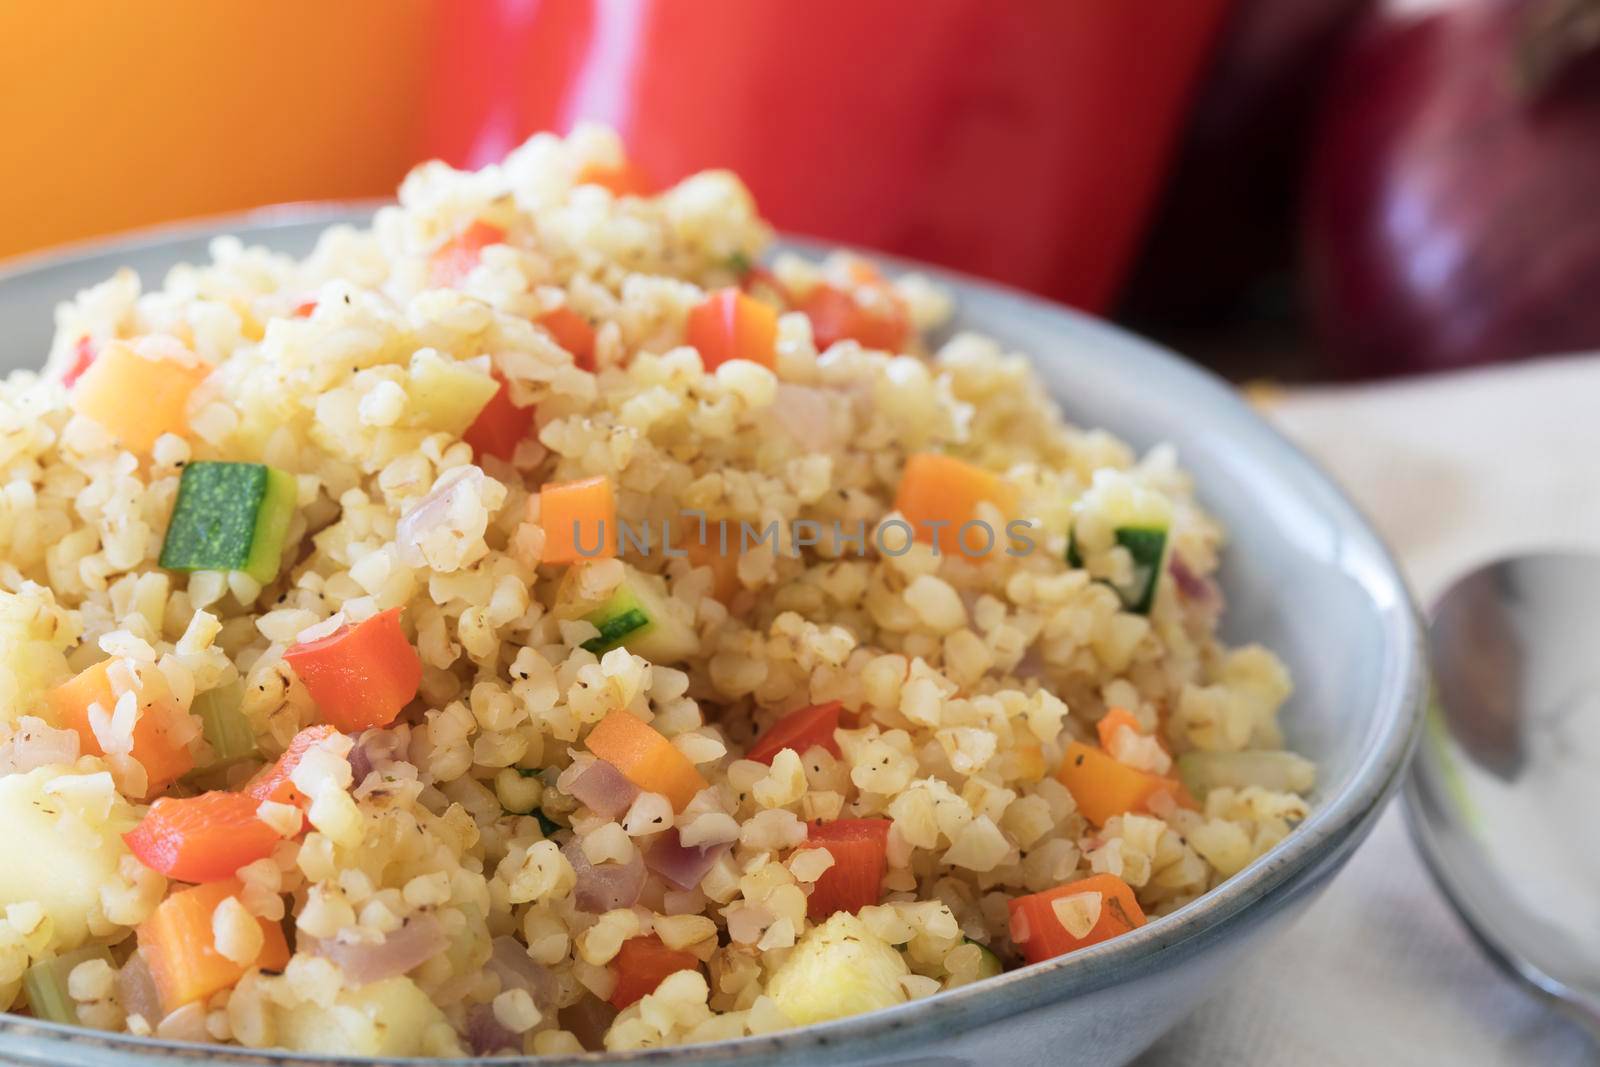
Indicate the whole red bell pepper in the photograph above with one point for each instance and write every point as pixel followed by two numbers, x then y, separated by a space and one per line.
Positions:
pixel 1022 140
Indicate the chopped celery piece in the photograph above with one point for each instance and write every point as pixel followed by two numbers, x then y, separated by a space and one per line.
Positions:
pixel 46 984
pixel 230 517
pixel 223 722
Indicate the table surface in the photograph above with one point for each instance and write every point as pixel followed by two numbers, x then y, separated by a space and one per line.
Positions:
pixel 1453 470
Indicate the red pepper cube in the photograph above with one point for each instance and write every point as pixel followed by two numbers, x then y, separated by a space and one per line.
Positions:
pixel 362 675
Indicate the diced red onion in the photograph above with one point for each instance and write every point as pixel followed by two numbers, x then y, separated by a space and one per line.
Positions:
pixel 509 961
pixel 806 414
pixel 136 990
pixel 432 512
pixel 605 886
pixel 420 939
pixel 682 865
pixel 588 1020
pixel 1191 585
pixel 604 790
pixel 36 744
pixel 485 1035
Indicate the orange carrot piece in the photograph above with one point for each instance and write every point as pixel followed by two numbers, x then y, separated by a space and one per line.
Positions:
pixel 724 565
pixel 836 316
pixel 452 261
pixel 572 332
pixel 1103 787
pixel 274 782
pixel 731 325
pixel 201 839
pixel 581 513
pixel 799 730
pixel 939 494
pixel 1111 722
pixel 164 759
pixel 645 758
pixel 640 966
pixel 362 675
pixel 624 179
pixel 162 387
pixel 860 849
pixel 181 951
pixel 1037 930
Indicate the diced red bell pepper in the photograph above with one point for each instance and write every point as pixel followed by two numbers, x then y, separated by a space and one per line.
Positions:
pixel 274 783
pixel 860 850
pixel 572 332
pixel 500 427
pixel 83 354
pixel 625 179
pixel 1037 931
pixel 360 676
pixel 731 325
pixel 835 316
pixel 304 309
pixel 201 839
pixel 452 261
pixel 641 965
pixel 799 730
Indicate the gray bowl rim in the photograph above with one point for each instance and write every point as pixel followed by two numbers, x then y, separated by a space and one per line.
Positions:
pixel 1343 818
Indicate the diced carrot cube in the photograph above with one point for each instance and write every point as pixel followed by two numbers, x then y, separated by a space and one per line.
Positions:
pixel 940 494
pixel 572 332
pixel 1036 929
pixel 860 849
pixel 579 520
pixel 1103 787
pixel 164 760
pixel 641 965
pixel 645 758
pixel 181 951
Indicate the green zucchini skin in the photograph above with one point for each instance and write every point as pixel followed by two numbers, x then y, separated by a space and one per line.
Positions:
pixel 615 629
pixel 1147 545
pixel 230 517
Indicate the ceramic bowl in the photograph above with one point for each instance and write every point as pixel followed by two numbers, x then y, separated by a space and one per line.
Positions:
pixel 1303 573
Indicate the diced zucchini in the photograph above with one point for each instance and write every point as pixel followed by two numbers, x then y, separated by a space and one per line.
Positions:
pixel 638 615
pixel 224 725
pixel 230 517
pixel 1281 772
pixel 1140 520
pixel 446 394
pixel 839 968
pixel 46 984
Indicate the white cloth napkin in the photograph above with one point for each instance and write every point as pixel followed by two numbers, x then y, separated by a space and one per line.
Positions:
pixel 1453 470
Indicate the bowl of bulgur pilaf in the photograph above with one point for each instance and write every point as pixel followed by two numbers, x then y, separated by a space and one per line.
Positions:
pixel 545 617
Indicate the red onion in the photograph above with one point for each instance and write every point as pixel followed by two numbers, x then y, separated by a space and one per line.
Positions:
pixel 604 886
pixel 509 961
pixel 1448 212
pixel 1190 584
pixel 682 865
pixel 420 939
pixel 136 990
pixel 428 516
pixel 485 1035
pixel 360 760
pixel 36 744
pixel 603 789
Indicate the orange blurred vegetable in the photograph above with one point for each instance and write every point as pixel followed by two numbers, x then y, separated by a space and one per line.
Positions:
pixel 645 758
pixel 836 316
pixel 641 964
pixel 1036 929
pixel 724 565
pixel 180 949
pixel 581 513
pixel 162 387
pixel 164 760
pixel 625 179
pixel 452 261
pixel 731 325
pixel 274 782
pixel 939 494
pixel 362 675
pixel 1103 787
pixel 799 730
pixel 1111 722
pixel 500 426
pixel 860 850
pixel 201 839
pixel 572 332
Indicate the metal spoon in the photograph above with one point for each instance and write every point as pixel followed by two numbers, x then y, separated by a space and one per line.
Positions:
pixel 1504 795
